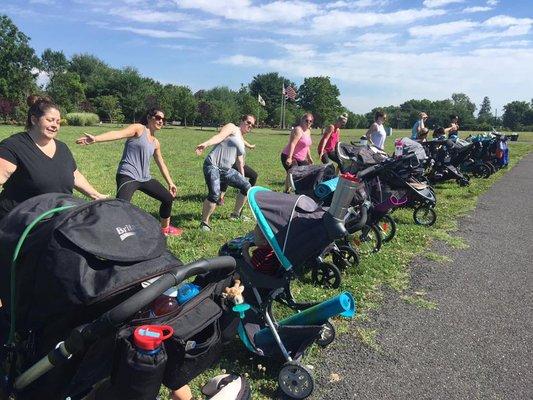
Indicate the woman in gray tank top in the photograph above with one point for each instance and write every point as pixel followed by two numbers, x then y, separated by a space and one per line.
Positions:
pixel 133 171
pixel 228 150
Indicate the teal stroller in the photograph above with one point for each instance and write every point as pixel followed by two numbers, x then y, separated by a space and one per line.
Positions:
pixel 296 228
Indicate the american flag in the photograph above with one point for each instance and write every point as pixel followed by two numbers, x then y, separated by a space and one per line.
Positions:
pixel 290 93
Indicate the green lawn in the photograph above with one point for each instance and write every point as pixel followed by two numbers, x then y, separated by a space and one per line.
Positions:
pixel 388 267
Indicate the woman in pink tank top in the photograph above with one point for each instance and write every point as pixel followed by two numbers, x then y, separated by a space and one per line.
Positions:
pixel 297 151
pixel 330 138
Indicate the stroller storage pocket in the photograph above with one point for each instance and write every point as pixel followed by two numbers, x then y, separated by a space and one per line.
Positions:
pixel 137 374
pixel 187 360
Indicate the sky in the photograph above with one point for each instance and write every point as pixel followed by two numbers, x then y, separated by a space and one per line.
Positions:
pixel 377 52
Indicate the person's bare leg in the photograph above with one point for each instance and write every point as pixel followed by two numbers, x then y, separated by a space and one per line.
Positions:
pixel 207 211
pixel 183 393
pixel 239 204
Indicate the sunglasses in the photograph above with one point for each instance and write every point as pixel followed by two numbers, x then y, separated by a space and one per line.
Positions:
pixel 249 123
pixel 160 118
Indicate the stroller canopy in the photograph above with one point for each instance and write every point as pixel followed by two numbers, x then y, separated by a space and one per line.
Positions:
pixel 292 224
pixel 305 178
pixel 412 147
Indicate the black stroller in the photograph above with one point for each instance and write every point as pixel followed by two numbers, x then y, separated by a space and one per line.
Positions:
pixel 394 182
pixel 72 296
pixel 297 229
pixel 319 182
pixel 445 158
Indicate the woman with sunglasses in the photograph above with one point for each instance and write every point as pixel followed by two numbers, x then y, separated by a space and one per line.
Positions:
pixel 134 168
pixel 298 150
pixel 228 149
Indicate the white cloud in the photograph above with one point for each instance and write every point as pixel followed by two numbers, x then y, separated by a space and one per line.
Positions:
pixel 444 29
pixel 241 60
pixel 155 33
pixel 45 2
pixel 243 10
pixel 342 20
pixel 399 73
pixel 371 39
pixel 147 16
pixel 439 3
pixel 505 20
pixel 492 2
pixel 476 9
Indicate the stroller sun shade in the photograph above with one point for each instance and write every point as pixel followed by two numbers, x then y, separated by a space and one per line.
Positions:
pixel 292 224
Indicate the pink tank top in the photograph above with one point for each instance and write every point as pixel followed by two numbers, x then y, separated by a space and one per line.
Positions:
pixel 332 141
pixel 301 149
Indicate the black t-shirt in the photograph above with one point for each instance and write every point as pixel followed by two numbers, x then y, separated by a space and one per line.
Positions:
pixel 36 173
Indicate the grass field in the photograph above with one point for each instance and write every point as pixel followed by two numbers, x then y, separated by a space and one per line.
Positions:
pixel 388 267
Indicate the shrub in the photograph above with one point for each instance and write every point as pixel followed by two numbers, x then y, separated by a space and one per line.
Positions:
pixel 82 119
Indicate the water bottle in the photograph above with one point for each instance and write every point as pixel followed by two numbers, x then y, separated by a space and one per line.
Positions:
pixel 165 303
pixel 186 292
pixel 363 141
pixel 148 338
pixel 398 148
pixel 141 365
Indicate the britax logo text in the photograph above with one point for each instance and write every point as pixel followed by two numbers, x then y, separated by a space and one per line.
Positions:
pixel 125 231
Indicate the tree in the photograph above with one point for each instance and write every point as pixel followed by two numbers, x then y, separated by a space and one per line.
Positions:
pixel 516 114
pixel 269 86
pixel 248 104
pixel 53 62
pixel 6 108
pixel 464 108
pixel 320 97
pixel 67 90
pixel 485 110
pixel 18 63
pixel 108 108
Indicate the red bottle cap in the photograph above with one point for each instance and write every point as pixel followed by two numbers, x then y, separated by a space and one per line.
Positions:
pixel 150 337
pixel 349 177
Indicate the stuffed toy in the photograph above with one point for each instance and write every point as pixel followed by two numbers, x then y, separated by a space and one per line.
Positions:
pixel 234 293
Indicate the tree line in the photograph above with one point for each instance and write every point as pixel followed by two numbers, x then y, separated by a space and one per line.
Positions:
pixel 85 83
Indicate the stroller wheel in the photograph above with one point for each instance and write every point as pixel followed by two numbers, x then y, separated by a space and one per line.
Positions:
pixel 424 215
pixel 492 167
pixel 345 257
pixel 326 275
pixel 295 380
pixel 482 171
pixel 327 335
pixel 463 182
pixel 369 241
pixel 387 228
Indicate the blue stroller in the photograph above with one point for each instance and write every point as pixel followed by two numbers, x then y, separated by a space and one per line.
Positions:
pixel 296 228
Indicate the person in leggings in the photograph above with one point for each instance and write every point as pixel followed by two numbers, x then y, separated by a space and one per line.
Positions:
pixel 249 173
pixel 133 171
pixel 228 149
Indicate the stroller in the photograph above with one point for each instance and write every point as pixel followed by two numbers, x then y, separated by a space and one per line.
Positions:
pixel 319 182
pixel 445 158
pixel 393 182
pixel 72 296
pixel 297 229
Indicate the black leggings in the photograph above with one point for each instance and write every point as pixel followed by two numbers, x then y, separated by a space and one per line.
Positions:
pixel 249 173
pixel 126 186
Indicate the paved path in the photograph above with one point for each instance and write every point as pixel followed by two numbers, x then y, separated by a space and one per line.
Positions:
pixel 478 343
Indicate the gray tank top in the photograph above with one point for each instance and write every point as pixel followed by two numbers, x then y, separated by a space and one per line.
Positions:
pixel 135 162
pixel 225 153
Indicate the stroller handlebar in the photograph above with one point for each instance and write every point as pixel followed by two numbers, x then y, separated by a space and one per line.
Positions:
pixel 144 297
pixel 370 172
pixel 80 337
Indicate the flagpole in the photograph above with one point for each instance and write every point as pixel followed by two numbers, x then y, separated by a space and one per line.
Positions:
pixel 281 106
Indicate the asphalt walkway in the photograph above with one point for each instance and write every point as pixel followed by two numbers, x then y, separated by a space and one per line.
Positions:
pixel 478 343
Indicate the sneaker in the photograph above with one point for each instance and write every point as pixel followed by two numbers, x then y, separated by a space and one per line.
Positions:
pixel 204 227
pixel 171 231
